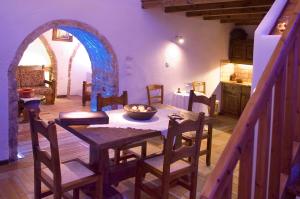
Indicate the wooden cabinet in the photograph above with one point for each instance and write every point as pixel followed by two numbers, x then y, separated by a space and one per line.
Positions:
pixel 241 51
pixel 245 96
pixel 234 98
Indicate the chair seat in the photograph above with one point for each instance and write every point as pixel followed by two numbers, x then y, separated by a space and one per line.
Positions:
pixel 42 90
pixel 71 172
pixel 192 135
pixel 157 163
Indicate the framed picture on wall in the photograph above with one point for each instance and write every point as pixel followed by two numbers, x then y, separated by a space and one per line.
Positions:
pixel 61 35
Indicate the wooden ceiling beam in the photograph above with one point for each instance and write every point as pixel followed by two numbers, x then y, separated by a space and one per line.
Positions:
pixel 216 5
pixel 229 11
pixel 242 21
pixel 151 3
pixel 247 16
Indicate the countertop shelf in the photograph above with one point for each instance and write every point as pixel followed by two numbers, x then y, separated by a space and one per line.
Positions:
pixel 235 83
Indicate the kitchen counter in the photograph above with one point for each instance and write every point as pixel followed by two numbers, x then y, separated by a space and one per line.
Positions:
pixel 235 83
pixel 234 97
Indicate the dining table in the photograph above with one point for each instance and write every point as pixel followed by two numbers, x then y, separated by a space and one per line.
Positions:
pixel 121 131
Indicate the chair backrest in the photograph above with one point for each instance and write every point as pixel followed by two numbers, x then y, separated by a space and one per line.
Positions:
pixel 199 86
pixel 48 131
pixel 111 101
pixel 210 102
pixel 173 152
pixel 155 93
pixel 85 87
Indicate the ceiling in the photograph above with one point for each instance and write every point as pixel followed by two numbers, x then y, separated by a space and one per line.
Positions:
pixel 240 12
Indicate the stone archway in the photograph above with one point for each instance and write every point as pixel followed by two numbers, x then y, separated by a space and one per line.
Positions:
pixel 70 68
pixel 12 84
pixel 51 55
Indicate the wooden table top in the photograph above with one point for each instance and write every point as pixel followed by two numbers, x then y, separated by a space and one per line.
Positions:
pixel 105 137
pixel 108 137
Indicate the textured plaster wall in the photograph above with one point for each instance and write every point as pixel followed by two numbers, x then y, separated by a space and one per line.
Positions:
pixel 141 39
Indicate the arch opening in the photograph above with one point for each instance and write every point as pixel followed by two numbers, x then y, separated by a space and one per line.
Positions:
pixel 103 61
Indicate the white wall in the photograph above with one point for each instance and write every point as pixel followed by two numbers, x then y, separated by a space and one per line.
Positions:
pixel 265 44
pixel 35 54
pixel 81 71
pixel 139 37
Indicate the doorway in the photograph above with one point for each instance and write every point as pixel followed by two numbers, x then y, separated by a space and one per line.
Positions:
pixel 103 63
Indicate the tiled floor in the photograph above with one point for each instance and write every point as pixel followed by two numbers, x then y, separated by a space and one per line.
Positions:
pixel 16 179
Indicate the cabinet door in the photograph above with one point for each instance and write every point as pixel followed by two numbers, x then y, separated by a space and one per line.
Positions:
pixel 249 50
pixel 231 103
pixel 237 50
pixel 231 99
pixel 244 101
pixel 246 91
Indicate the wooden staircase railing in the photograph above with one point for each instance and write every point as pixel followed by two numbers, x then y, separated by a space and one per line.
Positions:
pixel 272 117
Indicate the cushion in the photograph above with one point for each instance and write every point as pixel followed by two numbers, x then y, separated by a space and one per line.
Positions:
pixel 42 90
pixel 157 162
pixel 83 118
pixel 71 172
pixel 31 78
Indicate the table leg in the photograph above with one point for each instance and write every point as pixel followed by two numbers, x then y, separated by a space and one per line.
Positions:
pixel 99 162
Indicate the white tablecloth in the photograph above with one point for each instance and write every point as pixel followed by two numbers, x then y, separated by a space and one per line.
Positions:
pixel 181 100
pixel 159 122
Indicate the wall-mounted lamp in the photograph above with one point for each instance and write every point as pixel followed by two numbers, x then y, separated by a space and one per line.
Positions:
pixel 179 39
pixel 282 24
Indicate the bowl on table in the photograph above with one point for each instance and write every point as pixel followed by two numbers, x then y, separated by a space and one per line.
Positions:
pixel 140 111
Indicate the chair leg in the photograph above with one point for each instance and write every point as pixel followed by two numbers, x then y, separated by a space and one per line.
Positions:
pixel 99 188
pixel 57 195
pixel 76 193
pixel 83 101
pixel 117 156
pixel 37 186
pixel 144 150
pixel 165 189
pixel 209 143
pixel 138 183
pixel 193 191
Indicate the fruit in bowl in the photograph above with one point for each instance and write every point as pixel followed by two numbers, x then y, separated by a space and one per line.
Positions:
pixel 140 111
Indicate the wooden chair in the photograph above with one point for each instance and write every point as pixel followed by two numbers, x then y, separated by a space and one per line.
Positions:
pixel 155 99
pixel 207 134
pixel 86 92
pixel 170 167
pixel 58 177
pixel 114 101
pixel 199 86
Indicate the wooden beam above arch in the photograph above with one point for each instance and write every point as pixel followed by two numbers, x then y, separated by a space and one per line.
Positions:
pixel 217 5
pixel 224 10
pixel 230 11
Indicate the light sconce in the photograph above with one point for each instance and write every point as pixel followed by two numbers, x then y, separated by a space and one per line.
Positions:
pixel 179 40
pixel 282 24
